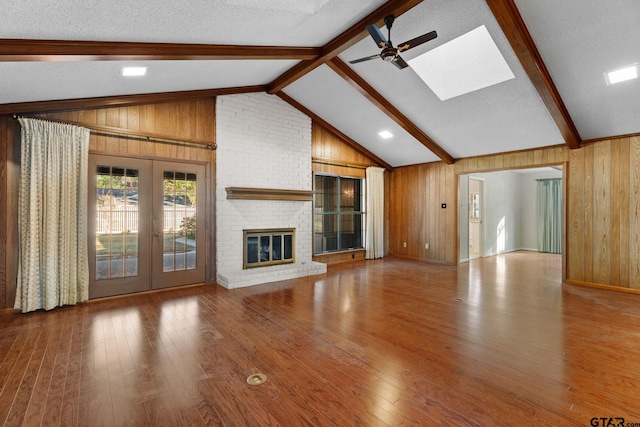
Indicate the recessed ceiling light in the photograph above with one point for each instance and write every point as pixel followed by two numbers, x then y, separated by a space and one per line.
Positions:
pixel 385 134
pixel 622 74
pixel 465 64
pixel 133 71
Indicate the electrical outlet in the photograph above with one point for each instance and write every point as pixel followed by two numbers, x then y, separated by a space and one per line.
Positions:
pixel 404 244
pixel 426 246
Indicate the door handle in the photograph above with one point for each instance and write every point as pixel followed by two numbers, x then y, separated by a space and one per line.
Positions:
pixel 156 234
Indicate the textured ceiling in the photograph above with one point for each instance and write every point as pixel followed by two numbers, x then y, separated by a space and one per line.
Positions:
pixel 578 41
pixel 194 21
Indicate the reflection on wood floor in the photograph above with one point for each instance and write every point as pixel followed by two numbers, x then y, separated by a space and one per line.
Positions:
pixel 497 341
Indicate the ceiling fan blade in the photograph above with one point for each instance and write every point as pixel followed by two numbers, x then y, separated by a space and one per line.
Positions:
pixel 377 36
pixel 417 41
pixel 399 62
pixel 366 58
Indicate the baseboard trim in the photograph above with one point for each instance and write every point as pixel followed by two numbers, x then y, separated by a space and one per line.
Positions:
pixel 605 287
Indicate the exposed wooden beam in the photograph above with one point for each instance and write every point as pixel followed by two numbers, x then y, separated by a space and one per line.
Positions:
pixel 342 42
pixel 509 19
pixel 378 100
pixel 14 50
pixel 121 100
pixel 350 142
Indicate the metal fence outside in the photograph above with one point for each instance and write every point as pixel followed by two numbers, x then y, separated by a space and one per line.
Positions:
pixel 121 220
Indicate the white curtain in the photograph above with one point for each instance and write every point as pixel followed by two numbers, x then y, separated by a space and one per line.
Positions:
pixel 375 213
pixel 53 268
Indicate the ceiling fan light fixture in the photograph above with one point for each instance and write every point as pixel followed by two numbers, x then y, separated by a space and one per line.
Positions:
pixel 621 74
pixel 388 54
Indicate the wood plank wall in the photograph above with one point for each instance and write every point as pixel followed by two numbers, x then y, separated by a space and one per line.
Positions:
pixel 327 146
pixel 187 119
pixel 4 137
pixel 192 119
pixel 416 216
pixel 604 215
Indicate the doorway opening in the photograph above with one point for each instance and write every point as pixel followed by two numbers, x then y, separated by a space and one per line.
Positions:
pixel 476 206
pixel 499 211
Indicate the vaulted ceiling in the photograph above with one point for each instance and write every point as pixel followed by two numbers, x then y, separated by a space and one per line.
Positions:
pixel 68 54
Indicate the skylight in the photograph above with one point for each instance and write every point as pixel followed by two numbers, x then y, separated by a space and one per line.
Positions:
pixel 463 65
pixel 622 74
pixel 133 71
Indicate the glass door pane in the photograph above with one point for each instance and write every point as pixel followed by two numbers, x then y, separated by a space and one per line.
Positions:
pixel 119 245
pixel 179 202
pixel 178 224
pixel 116 243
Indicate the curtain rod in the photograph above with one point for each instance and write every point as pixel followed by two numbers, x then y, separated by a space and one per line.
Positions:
pixel 128 133
pixel 332 162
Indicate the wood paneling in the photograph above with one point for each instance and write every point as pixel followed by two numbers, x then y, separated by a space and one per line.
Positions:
pixel 513 160
pixel 192 119
pixel 603 234
pixel 12 147
pixel 575 217
pixel 416 215
pixel 327 146
pixel 340 257
pixel 3 209
pixel 633 228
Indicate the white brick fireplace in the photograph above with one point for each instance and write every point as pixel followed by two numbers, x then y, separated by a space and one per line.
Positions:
pixel 262 142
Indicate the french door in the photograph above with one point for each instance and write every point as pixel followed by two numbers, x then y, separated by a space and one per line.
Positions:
pixel 146 225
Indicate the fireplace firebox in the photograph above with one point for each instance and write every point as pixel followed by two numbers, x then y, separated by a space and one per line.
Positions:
pixel 266 247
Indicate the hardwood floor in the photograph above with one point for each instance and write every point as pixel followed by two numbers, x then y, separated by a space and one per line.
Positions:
pixel 497 341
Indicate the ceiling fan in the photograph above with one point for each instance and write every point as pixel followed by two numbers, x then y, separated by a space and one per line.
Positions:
pixel 390 53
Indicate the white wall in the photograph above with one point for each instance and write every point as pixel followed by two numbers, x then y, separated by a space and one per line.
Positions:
pixel 262 142
pixel 501 221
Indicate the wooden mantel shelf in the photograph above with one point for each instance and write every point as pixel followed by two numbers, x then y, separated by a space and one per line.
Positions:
pixel 247 193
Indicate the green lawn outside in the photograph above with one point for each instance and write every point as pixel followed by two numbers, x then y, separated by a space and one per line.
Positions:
pixel 130 241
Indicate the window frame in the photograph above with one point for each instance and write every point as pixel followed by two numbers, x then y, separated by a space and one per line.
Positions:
pixel 339 213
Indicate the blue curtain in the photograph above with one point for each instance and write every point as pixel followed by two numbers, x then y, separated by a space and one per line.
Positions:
pixel 550 215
